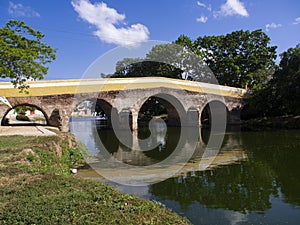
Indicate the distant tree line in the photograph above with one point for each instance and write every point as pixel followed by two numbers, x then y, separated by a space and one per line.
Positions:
pixel 242 59
pixel 281 95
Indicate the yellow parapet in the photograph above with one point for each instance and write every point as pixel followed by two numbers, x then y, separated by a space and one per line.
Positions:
pixel 58 87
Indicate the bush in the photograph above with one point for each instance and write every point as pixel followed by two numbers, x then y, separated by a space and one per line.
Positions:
pixel 22 117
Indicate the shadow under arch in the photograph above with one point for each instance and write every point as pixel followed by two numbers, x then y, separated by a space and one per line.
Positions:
pixel 106 110
pixel 219 109
pixel 5 121
pixel 164 106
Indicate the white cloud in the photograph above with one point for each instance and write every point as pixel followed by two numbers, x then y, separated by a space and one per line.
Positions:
pixel 297 21
pixel 272 26
pixel 105 19
pixel 202 19
pixel 233 7
pixel 201 4
pixel 18 10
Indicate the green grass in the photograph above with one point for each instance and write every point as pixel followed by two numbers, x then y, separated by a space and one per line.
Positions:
pixel 36 188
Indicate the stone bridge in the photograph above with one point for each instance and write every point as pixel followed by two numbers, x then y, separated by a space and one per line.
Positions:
pixel 123 98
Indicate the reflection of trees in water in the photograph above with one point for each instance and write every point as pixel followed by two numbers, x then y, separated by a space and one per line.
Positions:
pixel 281 151
pixel 273 165
pixel 240 187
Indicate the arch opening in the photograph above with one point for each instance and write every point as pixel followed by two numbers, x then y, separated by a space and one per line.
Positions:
pixel 25 115
pixel 161 106
pixel 97 109
pixel 55 118
pixel 102 113
pixel 213 109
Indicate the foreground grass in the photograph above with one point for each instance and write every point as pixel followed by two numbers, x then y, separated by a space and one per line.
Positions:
pixel 37 188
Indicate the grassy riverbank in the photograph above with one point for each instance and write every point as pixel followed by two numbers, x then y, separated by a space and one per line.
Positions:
pixel 36 188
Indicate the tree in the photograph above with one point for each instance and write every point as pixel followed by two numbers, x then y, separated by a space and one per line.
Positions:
pixel 192 65
pixel 166 60
pixel 241 59
pixel 286 82
pixel 124 66
pixel 282 94
pixel 23 55
pixel 129 67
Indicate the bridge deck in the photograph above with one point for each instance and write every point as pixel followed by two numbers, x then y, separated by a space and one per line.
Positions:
pixel 58 87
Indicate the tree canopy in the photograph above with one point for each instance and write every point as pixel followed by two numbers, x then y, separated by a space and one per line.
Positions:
pixel 129 67
pixel 23 55
pixel 240 59
pixel 166 60
pixel 282 95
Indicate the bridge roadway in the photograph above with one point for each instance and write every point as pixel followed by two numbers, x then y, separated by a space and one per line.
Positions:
pixel 58 98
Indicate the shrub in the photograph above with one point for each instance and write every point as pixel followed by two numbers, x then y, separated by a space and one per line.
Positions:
pixel 22 117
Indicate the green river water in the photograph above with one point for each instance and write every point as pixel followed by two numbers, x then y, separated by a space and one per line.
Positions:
pixel 254 178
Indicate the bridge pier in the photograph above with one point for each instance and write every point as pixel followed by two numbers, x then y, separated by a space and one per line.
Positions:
pixel 59 118
pixel 65 118
pixel 124 120
pixel 192 118
pixel 134 120
pixel 234 117
pixel 3 109
pixel 128 119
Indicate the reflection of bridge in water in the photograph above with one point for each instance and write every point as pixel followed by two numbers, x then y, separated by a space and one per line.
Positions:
pixel 179 152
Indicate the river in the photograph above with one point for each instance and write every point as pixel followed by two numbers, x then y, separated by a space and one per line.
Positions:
pixel 254 178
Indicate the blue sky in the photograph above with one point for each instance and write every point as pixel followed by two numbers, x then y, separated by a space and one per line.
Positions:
pixel 83 30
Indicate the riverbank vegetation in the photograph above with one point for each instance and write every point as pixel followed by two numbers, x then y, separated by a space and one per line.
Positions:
pixel 36 187
pixel 281 96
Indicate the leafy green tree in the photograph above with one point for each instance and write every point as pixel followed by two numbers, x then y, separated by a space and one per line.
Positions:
pixel 23 108
pixel 286 82
pixel 192 65
pixel 241 59
pixel 282 94
pixel 129 67
pixel 166 60
pixel 124 66
pixel 23 55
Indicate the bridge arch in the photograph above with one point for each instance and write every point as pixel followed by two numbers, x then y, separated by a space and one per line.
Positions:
pixel 164 103
pixel 5 121
pixel 213 108
pixel 107 109
pixel 98 106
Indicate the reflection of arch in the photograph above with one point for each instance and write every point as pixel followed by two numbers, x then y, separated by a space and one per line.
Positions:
pixel 5 122
pixel 218 108
pixel 171 104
